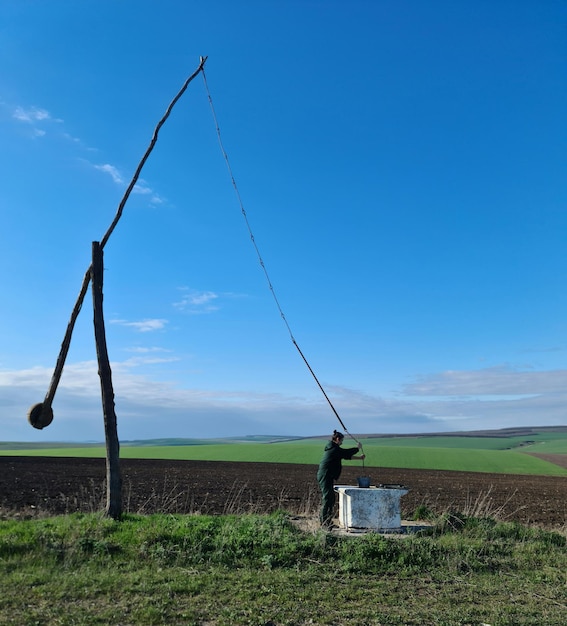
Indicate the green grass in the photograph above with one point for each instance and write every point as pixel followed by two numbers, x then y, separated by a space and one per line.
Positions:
pixel 259 570
pixel 552 446
pixel 396 452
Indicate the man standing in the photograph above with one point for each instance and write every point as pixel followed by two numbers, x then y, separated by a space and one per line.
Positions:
pixel 329 471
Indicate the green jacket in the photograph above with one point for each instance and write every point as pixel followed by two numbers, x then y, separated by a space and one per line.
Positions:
pixel 331 466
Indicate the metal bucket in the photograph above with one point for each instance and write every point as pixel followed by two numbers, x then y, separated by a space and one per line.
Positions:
pixel 363 482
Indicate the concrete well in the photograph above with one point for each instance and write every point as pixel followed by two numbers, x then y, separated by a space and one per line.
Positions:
pixel 373 508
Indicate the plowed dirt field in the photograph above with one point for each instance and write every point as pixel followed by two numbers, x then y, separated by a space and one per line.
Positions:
pixel 31 486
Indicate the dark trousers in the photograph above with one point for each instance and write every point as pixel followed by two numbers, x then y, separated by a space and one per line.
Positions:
pixel 326 484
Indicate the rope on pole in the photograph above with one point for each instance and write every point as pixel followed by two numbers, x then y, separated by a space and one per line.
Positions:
pixel 261 261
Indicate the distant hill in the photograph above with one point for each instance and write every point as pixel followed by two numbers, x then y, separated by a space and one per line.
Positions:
pixel 520 431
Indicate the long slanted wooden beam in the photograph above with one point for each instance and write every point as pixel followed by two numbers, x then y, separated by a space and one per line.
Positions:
pixel 40 415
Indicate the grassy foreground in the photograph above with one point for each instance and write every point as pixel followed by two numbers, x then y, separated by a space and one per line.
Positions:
pixel 263 570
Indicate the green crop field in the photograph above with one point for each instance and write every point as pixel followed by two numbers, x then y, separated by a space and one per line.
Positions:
pixel 553 446
pixel 504 455
pixel 555 443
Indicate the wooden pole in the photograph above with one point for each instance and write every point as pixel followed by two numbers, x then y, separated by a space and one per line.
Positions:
pixel 113 475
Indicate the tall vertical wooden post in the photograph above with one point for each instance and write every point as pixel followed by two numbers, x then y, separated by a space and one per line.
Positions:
pixel 113 475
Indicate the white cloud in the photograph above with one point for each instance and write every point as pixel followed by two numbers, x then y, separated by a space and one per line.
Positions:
pixel 146 360
pixel 145 408
pixel 149 408
pixel 31 114
pixel 500 380
pixel 143 326
pixel 32 117
pixel 71 138
pixel 197 301
pixel 78 142
pixel 111 171
pixel 142 188
pixel 146 350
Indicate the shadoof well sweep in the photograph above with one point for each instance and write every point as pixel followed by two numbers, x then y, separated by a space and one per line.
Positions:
pixel 360 507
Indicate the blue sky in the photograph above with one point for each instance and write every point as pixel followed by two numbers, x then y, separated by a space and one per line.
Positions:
pixel 402 167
